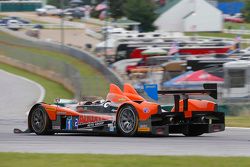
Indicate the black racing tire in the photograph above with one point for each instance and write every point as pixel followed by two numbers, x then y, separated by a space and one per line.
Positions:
pixel 192 133
pixel 127 121
pixel 40 122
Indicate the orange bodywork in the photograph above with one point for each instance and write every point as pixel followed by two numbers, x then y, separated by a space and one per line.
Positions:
pixel 196 105
pixel 130 97
pixel 131 93
pixel 115 95
pixel 53 111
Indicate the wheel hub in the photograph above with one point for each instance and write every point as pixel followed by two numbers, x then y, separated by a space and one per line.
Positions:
pixel 37 120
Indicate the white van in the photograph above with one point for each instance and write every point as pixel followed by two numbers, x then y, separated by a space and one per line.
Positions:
pixel 237 79
pixel 48 10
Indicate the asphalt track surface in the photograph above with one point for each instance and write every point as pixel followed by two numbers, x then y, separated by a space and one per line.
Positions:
pixel 17 95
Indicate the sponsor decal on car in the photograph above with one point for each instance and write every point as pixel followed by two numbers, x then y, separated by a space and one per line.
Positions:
pixel 122 99
pixel 95 124
pixel 143 128
pixel 106 105
pixel 111 127
pixel 145 110
pixel 56 127
pixel 76 123
pixel 69 123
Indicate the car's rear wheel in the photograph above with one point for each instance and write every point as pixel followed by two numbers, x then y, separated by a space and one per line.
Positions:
pixel 127 121
pixel 40 122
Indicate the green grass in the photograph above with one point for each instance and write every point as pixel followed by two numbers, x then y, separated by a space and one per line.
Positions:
pixel 239 26
pixel 94 83
pixel 38 22
pixel 238 121
pixel 53 89
pixel 86 160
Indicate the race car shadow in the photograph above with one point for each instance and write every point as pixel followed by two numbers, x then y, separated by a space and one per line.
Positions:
pixel 89 134
pixel 137 136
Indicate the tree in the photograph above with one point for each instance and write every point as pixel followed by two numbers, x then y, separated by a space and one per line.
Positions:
pixel 141 11
pixel 246 11
pixel 116 8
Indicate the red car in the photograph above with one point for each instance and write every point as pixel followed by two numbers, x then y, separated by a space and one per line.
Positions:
pixel 234 20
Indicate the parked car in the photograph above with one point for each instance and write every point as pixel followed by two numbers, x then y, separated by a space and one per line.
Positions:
pixel 13 24
pixel 234 19
pixel 4 21
pixel 48 10
pixel 21 20
pixel 38 26
pixel 73 12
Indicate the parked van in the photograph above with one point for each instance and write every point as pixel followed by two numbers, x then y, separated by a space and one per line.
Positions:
pixel 237 79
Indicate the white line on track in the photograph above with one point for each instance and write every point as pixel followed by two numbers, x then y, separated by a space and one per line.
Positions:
pixel 240 128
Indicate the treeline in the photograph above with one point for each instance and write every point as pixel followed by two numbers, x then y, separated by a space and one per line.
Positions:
pixel 142 11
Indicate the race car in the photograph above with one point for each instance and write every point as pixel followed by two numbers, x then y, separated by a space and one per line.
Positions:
pixel 128 114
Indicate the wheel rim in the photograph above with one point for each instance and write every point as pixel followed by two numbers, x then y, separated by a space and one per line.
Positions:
pixel 37 120
pixel 127 120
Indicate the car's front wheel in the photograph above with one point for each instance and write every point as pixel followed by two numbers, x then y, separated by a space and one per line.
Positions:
pixel 40 122
pixel 127 121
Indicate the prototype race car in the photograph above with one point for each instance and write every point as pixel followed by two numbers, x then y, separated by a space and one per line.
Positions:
pixel 128 114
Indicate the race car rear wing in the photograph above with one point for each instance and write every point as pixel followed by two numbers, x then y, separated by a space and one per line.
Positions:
pixel 209 89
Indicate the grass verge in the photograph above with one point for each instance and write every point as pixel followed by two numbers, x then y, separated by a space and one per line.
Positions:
pixel 238 26
pixel 53 89
pixel 94 83
pixel 238 121
pixel 86 160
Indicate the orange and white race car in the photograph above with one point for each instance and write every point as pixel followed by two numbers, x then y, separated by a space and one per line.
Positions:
pixel 128 114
